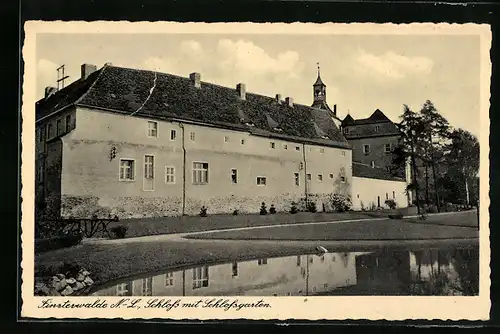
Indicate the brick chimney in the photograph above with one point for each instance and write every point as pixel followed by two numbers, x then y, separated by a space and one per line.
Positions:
pixel 49 91
pixel 87 69
pixel 278 98
pixel 335 110
pixel 242 91
pixel 195 79
pixel 289 101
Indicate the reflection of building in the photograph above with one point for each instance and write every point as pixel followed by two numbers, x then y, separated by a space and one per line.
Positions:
pixel 286 276
pixel 430 272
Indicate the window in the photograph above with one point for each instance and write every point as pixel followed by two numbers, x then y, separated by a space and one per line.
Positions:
pixel 342 179
pixel 149 167
pixel 297 179
pixel 226 139
pixel 261 180
pixel 320 177
pixel 387 148
pixel 68 123
pixel 308 176
pixel 273 145
pixel 393 194
pixel 330 175
pixel 298 260
pixel 321 150
pixel 59 127
pixel 343 153
pixel 386 196
pixel 173 134
pixel 235 269
pixel 297 148
pixel 322 258
pixel 358 195
pixel 169 279
pixel 200 277
pixel 200 173
pixel 127 170
pixel 243 142
pixel 366 148
pixel 169 174
pixel 147 286
pixel 372 164
pixel 124 289
pixel 310 149
pixel 234 176
pixel 262 262
pixel 152 129
pixel 192 136
pixel 311 260
pixel 346 130
pixel 50 131
pixel 377 128
pixel 285 147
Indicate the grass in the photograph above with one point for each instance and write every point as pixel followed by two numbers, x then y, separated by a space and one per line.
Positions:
pixel 119 260
pixel 168 225
pixel 390 229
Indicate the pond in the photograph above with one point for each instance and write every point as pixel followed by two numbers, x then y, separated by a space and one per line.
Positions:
pixel 422 271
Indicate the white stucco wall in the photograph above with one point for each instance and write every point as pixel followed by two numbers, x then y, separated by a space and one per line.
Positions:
pixel 367 191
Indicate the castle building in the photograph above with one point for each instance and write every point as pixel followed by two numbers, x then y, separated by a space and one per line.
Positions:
pixel 137 143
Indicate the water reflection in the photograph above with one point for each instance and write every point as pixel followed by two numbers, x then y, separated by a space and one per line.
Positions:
pixel 387 272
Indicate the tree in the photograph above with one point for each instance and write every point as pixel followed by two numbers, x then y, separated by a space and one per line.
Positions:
pixel 437 131
pixel 413 136
pixel 462 158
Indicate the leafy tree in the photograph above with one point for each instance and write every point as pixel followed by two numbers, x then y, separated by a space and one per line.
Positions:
pixel 462 158
pixel 437 131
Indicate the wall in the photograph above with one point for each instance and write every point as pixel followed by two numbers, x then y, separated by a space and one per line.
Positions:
pixel 48 162
pixel 90 180
pixel 365 192
pixel 377 150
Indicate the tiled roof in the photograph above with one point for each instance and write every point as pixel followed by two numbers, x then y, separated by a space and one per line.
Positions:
pixel 366 171
pixel 159 95
pixel 362 128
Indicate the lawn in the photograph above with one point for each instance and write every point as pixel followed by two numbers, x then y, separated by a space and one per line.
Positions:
pixel 388 229
pixel 168 225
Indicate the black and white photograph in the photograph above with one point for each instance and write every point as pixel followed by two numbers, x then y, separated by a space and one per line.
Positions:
pixel 260 171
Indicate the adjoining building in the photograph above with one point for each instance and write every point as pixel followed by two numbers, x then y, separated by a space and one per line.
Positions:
pixel 139 143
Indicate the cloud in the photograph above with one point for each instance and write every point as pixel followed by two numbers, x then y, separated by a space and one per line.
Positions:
pixel 250 60
pixel 391 65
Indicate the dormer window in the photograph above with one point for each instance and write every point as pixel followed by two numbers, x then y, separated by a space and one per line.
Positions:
pixel 278 129
pixel 377 128
pixel 249 124
pixel 325 137
pixel 346 130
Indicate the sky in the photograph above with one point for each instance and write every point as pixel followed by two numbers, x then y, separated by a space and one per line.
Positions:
pixel 362 72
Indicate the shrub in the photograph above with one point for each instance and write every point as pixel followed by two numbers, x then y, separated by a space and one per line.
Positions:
pixel 203 211
pixel 119 231
pixel 235 212
pixel 340 203
pixel 263 209
pixel 390 203
pixel 311 206
pixel 272 209
pixel 293 208
pixel 432 209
